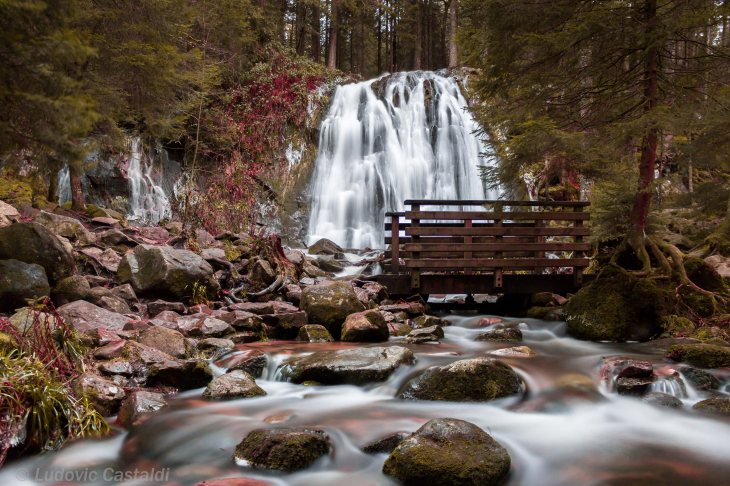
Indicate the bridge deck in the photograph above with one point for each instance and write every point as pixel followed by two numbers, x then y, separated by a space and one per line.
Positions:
pixel 504 247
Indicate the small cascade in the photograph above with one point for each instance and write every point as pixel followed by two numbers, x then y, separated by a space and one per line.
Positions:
pixel 148 202
pixel 407 136
pixel 64 185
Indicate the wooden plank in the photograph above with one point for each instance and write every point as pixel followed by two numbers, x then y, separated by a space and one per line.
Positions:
pixel 407 224
pixel 446 247
pixel 496 263
pixel 459 239
pixel 415 273
pixel 451 202
pixel 467 241
pixel 498 232
pixel 512 216
pixel 395 248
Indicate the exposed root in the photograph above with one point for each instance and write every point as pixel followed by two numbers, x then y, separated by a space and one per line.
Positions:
pixel 270 289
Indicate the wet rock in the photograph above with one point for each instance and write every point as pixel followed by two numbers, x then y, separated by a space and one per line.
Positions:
pixel 399 329
pixel 623 367
pixel 166 271
pixel 243 321
pixel 120 367
pixel 314 333
pixel 105 396
pixel 426 334
pixel 386 444
pixel 158 306
pixel 286 323
pixel 572 390
pixel 262 273
pixel 617 307
pixel 634 387
pixel 71 289
pixel 701 379
pixel 246 337
pixel 469 380
pixel 541 299
pixel 516 352
pixel 357 366
pixel 662 400
pixel 234 384
pixel 235 482
pixel 716 404
pixel 258 308
pixel 205 327
pixel 488 321
pixel 448 452
pixel 166 340
pixel 700 355
pixel 215 345
pixel 252 361
pixel 33 243
pixel 500 335
pixel 329 264
pixel 282 449
pixel 329 305
pixel 84 315
pixel 65 226
pixel 555 314
pixel 137 407
pixel 365 327
pixel 184 375
pixel 20 282
pixel 428 321
pixel 325 247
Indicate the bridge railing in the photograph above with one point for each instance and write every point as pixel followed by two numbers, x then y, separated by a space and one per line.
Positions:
pixel 502 236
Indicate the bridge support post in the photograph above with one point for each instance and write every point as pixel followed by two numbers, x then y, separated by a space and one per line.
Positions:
pixel 395 244
pixel 415 272
pixel 578 271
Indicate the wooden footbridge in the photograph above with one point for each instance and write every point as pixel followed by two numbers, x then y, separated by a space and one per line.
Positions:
pixel 496 247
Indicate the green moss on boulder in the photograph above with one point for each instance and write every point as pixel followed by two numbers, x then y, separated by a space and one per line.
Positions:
pixel 704 275
pixel 282 449
pixel 539 312
pixel 700 355
pixel 716 404
pixel 34 243
pixel 329 305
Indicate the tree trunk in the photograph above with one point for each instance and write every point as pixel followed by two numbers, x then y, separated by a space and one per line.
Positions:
pixel 640 211
pixel 452 34
pixel 77 194
pixel 418 37
pixel 361 57
pixel 301 35
pixel 53 183
pixel 332 59
pixel 380 39
pixel 316 27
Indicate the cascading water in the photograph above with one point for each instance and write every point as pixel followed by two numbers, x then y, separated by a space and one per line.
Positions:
pixel 147 200
pixel 414 139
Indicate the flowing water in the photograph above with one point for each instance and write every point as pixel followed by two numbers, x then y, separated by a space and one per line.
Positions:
pixel 415 141
pixel 148 202
pixel 564 429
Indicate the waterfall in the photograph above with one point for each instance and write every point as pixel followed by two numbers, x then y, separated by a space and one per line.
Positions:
pixel 148 202
pixel 64 185
pixel 405 136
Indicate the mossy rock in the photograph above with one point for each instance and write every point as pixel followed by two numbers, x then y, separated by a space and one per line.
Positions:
pixel 706 333
pixel 674 325
pixel 330 305
pixel 448 452
pixel 538 312
pixel 704 275
pixel 618 306
pixel 700 355
pixel 716 405
pixel 283 449
pixel 468 380
pixel 18 190
pixel 34 243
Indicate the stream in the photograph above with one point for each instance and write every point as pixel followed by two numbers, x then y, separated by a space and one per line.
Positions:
pixel 565 428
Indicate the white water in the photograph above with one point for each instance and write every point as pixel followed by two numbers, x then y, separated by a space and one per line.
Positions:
pixel 373 155
pixel 148 202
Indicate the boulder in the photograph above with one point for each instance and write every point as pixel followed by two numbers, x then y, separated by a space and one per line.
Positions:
pixel 84 315
pixel 20 282
pixel 113 304
pixel 262 273
pixel 114 237
pixel 541 299
pixel 700 355
pixel 618 307
pixel 34 243
pixel 154 233
pixel 611 369
pixel 215 345
pixel 183 375
pixel 234 384
pixel 314 333
pixel 252 361
pixel 118 367
pixel 325 247
pixel 282 449
pixel 105 396
pixel 329 264
pixel 428 321
pixel 65 226
pixel 399 328
pixel 258 308
pixel 205 327
pixel 516 352
pixel 125 292
pixel 286 323
pixel 376 291
pixel 8 214
pixel 468 380
pixel 109 259
pixel 294 256
pixel 662 400
pixel 243 321
pixel 356 366
pixel 293 293
pixel 71 289
pixel 715 404
pixel 154 308
pixel 448 452
pixel 235 482
pixel 167 341
pixel 312 271
pixel 137 407
pixel 163 270
pixel 365 327
pixel 509 334
pixel 329 305
pixel 634 387
pixel 112 350
pixel 413 309
pixel 386 444
pixel 701 379
pixel 246 337
pixel 704 275
pixel 25 317
pixel 425 334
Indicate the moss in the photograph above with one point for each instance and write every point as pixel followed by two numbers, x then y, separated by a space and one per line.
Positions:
pixel 717 405
pixel 700 355
pixel 705 333
pixel 18 190
pixel 618 306
pixel 501 335
pixel 703 275
pixel 674 325
pixel 283 449
pixel 539 312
